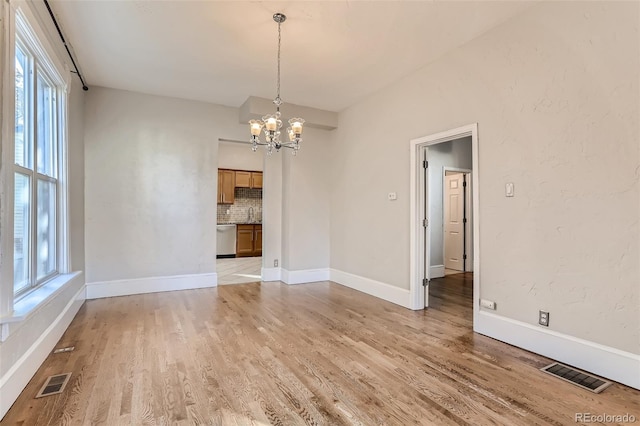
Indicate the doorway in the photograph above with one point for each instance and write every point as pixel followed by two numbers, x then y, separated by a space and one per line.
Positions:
pixel 239 244
pixel 427 225
pixel 457 221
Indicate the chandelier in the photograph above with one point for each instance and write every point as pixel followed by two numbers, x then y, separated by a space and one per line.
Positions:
pixel 271 123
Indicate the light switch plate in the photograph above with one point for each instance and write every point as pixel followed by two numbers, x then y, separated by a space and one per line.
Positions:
pixel 508 189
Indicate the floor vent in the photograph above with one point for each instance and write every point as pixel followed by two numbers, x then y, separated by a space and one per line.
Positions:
pixel 62 350
pixel 54 385
pixel 579 378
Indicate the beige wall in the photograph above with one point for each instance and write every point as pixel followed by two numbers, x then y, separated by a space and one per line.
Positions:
pixel 306 189
pixel 239 156
pixel 151 184
pixel 555 95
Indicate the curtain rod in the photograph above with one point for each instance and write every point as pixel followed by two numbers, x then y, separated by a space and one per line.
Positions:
pixel 55 22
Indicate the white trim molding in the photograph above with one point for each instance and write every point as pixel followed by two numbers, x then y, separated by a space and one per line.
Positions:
pixel 13 382
pixel 384 291
pixel 305 276
pixel 97 290
pixel 605 361
pixel 271 274
pixel 437 271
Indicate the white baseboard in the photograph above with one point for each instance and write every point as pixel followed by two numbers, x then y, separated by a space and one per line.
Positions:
pixel 436 271
pixel 390 293
pixel 305 276
pixel 271 274
pixel 16 379
pixel 605 361
pixel 101 289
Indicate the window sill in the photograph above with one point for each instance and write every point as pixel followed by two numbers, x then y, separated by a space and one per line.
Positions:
pixel 28 305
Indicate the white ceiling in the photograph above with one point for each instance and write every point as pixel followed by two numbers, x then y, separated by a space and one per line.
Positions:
pixel 334 53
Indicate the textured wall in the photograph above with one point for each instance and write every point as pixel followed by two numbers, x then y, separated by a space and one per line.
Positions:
pixel 306 189
pixel 556 98
pixel 238 156
pixel 151 184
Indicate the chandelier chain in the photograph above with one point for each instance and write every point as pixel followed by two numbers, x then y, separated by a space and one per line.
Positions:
pixel 279 41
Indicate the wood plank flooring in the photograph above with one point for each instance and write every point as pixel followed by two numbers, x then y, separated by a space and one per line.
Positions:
pixel 309 354
pixel 239 270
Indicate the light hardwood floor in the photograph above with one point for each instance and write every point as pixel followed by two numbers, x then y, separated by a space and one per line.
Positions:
pixel 239 270
pixel 307 354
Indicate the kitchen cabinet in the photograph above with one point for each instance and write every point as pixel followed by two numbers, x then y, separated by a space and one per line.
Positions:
pixel 226 186
pixel 246 179
pixel 243 179
pixel 249 240
pixel 256 179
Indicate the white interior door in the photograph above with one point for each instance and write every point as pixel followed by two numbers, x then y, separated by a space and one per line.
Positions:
pixel 454 222
pixel 468 240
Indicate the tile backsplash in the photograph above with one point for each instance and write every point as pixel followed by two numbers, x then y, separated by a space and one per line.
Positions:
pixel 238 212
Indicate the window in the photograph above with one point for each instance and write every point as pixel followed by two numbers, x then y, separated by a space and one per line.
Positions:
pixel 38 144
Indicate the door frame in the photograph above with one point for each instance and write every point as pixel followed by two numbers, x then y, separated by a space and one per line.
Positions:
pixel 468 196
pixel 419 249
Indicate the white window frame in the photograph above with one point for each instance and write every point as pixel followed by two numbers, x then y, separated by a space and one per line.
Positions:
pixel 20 18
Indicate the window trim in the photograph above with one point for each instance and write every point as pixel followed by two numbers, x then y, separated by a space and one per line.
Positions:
pixel 20 16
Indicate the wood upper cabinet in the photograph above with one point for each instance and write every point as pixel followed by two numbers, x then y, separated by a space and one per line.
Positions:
pixel 248 240
pixel 256 179
pixel 246 179
pixel 243 179
pixel 226 186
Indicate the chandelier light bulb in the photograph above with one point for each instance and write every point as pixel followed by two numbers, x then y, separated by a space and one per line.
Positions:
pixel 256 127
pixel 296 125
pixel 271 124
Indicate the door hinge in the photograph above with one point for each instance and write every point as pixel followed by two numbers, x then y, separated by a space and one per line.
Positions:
pixel 464 183
pixel 425 164
pixel 464 220
pixel 425 223
pixel 425 282
pixel 464 257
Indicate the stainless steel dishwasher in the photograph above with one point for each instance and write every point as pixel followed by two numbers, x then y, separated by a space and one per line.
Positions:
pixel 226 241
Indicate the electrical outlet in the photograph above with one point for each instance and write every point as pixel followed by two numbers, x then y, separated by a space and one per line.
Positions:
pixel 392 196
pixel 543 318
pixel 489 304
pixel 275 263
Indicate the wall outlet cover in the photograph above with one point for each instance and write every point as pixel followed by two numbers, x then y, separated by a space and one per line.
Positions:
pixel 543 318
